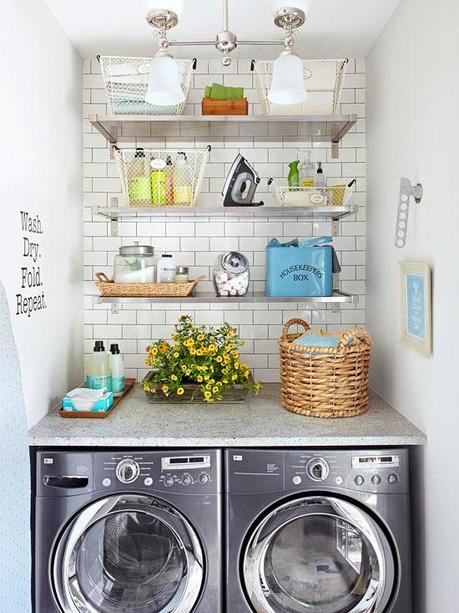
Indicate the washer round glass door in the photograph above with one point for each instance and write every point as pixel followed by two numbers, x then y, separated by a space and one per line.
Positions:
pixel 321 555
pixel 128 554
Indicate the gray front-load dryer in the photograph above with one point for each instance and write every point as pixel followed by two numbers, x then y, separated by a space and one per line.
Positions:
pixel 128 531
pixel 318 531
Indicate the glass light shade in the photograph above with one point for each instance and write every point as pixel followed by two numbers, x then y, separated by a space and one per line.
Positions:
pixel 175 6
pixel 164 86
pixel 304 5
pixel 287 85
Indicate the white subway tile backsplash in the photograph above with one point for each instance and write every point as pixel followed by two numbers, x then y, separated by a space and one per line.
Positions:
pixel 196 242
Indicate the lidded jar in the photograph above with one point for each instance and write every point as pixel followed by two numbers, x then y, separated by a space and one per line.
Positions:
pixel 135 264
pixel 231 274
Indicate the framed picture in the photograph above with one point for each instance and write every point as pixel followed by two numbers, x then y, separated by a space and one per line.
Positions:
pixel 416 306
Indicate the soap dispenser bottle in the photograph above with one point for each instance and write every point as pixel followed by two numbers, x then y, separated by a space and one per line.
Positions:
pixel 98 369
pixel 118 372
pixel 321 180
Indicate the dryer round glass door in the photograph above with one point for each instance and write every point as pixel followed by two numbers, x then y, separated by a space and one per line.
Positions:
pixel 318 554
pixel 131 554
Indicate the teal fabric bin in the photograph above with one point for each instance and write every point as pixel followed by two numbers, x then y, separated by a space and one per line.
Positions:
pixel 301 268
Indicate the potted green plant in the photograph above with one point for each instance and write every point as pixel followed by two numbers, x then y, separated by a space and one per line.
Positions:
pixel 201 363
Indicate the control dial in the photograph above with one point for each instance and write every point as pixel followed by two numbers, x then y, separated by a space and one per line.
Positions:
pixel 127 471
pixel 317 469
pixel 187 479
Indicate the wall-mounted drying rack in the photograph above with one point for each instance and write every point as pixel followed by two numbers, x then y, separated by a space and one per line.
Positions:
pixel 407 191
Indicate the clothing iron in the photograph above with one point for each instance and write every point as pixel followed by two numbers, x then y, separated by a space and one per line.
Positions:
pixel 241 184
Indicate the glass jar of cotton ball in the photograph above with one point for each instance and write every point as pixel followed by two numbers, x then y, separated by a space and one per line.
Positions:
pixel 231 274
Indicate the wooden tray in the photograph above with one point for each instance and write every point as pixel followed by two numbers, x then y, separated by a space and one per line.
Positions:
pixel 225 107
pixel 99 414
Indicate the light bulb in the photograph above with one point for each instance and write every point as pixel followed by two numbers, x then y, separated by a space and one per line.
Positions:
pixel 164 86
pixel 287 85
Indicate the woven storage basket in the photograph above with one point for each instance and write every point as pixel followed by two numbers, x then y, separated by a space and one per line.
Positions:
pixel 110 289
pixel 325 382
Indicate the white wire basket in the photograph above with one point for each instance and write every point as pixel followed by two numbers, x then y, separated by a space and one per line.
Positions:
pixel 175 179
pixel 126 82
pixel 323 81
pixel 331 195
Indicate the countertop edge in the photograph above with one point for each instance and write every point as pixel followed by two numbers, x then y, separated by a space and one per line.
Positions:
pixel 367 441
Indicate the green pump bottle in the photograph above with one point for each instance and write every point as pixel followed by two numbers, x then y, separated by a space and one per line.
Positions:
pixel 294 174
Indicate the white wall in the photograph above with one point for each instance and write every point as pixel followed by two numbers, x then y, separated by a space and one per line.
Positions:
pixel 412 95
pixel 40 172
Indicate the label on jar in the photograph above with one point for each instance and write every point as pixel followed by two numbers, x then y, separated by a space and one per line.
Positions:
pixel 118 384
pixel 98 383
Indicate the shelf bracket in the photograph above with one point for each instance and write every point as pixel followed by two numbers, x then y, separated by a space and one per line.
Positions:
pixel 336 228
pixel 115 308
pixel 337 137
pixel 114 217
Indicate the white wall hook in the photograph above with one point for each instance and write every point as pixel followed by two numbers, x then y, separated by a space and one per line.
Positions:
pixel 407 191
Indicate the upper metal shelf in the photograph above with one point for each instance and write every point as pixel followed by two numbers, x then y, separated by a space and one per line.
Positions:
pixel 321 128
pixel 322 213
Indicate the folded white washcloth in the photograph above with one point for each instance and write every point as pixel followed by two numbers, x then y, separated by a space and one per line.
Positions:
pixel 86 393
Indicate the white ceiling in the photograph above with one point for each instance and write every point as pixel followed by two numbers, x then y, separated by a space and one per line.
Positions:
pixel 335 28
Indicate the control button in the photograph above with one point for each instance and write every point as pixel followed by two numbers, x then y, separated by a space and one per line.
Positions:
pixel 317 469
pixel 359 480
pixel 187 479
pixel 297 480
pixel 106 482
pixel 127 471
pixel 339 480
pixel 204 478
pixel 169 481
pixel 148 481
pixel 376 479
pixel 392 478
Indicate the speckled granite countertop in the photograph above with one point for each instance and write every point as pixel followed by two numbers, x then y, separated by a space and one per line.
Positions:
pixel 259 423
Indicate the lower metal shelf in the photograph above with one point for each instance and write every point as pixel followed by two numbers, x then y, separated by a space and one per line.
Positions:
pixel 210 298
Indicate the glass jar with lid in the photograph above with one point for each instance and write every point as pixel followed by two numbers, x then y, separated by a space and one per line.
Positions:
pixel 231 274
pixel 135 264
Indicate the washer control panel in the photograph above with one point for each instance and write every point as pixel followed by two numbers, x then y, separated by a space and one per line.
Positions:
pixel 157 471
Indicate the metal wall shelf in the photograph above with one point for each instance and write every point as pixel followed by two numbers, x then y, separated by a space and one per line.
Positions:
pixel 322 213
pixel 321 128
pixel 210 298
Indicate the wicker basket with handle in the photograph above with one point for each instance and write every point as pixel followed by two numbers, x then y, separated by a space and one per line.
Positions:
pixel 110 289
pixel 325 381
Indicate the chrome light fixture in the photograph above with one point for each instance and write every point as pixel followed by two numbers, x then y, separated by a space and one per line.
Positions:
pixel 165 15
pixel 287 84
pixel 164 85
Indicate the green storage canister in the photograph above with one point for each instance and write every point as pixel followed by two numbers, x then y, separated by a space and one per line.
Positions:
pixel 139 190
pixel 158 180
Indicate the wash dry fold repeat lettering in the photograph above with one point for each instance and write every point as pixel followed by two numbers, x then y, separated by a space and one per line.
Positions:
pixel 30 272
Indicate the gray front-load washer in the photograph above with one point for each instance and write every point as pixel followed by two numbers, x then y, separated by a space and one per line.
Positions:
pixel 322 531
pixel 128 531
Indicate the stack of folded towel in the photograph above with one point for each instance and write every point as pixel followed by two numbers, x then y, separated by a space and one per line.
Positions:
pixel 222 92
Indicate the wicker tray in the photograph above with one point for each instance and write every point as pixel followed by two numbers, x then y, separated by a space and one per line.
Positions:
pixel 110 289
pixel 325 381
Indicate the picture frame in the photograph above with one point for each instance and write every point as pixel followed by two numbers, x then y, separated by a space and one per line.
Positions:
pixel 416 306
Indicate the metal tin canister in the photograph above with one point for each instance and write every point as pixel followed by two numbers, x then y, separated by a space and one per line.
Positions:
pixel 234 262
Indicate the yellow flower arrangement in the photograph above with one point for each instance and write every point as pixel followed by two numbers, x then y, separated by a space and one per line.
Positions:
pixel 198 354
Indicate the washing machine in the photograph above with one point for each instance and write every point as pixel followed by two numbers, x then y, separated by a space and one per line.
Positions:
pixel 127 531
pixel 322 531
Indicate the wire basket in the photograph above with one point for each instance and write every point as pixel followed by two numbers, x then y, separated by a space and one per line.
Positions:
pixel 331 195
pixel 126 81
pixel 323 81
pixel 175 179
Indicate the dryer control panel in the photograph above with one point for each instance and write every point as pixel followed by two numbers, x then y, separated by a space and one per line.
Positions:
pixel 380 471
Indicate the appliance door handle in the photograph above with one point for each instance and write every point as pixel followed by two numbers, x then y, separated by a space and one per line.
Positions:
pixel 66 482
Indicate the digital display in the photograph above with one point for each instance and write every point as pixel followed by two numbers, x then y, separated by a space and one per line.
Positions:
pixel 185 462
pixel 385 460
